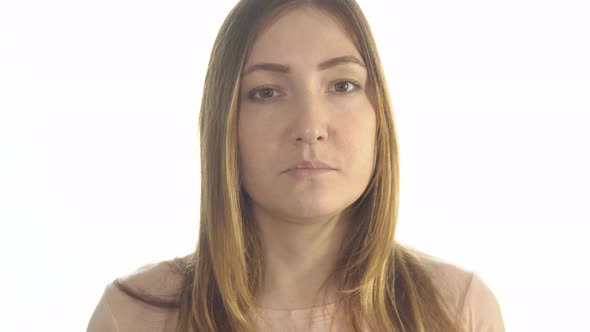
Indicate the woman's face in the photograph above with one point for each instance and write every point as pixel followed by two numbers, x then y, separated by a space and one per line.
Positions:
pixel 303 98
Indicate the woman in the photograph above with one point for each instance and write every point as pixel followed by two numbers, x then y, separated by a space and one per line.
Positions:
pixel 299 195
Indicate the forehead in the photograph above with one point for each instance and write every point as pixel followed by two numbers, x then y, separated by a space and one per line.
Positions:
pixel 301 35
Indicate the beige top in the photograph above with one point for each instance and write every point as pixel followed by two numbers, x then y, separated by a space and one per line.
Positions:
pixel 474 304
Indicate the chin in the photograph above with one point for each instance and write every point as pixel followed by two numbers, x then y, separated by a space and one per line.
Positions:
pixel 313 210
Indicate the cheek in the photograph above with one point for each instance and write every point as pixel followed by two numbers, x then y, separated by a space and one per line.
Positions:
pixel 359 132
pixel 256 148
pixel 244 144
pixel 248 136
pixel 246 154
pixel 253 137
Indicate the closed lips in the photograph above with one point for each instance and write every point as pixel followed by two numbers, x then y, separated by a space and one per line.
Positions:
pixel 309 164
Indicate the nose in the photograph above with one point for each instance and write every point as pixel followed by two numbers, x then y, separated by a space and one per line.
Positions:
pixel 311 123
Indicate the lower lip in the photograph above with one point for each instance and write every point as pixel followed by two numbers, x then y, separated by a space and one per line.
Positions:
pixel 306 172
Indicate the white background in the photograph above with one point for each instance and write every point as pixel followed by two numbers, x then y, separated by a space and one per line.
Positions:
pixel 99 169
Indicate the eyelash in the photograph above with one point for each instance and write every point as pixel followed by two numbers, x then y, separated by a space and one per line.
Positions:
pixel 253 92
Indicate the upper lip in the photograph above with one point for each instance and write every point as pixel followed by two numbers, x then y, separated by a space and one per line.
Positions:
pixel 309 164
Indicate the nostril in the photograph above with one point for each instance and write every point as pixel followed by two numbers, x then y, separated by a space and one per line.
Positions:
pixel 310 137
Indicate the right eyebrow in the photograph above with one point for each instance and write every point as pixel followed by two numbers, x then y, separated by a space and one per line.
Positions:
pixel 275 67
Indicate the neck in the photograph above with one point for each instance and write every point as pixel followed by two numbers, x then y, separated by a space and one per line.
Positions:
pixel 299 256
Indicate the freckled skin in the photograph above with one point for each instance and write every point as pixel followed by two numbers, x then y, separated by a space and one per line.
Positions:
pixel 306 114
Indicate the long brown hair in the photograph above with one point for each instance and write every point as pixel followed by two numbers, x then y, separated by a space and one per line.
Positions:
pixel 383 282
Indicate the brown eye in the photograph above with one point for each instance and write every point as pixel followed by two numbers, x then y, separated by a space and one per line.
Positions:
pixel 345 86
pixel 266 92
pixel 263 93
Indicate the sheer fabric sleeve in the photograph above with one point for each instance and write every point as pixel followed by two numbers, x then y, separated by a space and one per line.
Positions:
pixel 480 311
pixel 102 319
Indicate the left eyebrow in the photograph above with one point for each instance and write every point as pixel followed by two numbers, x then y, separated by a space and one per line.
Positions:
pixel 341 60
pixel 275 67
